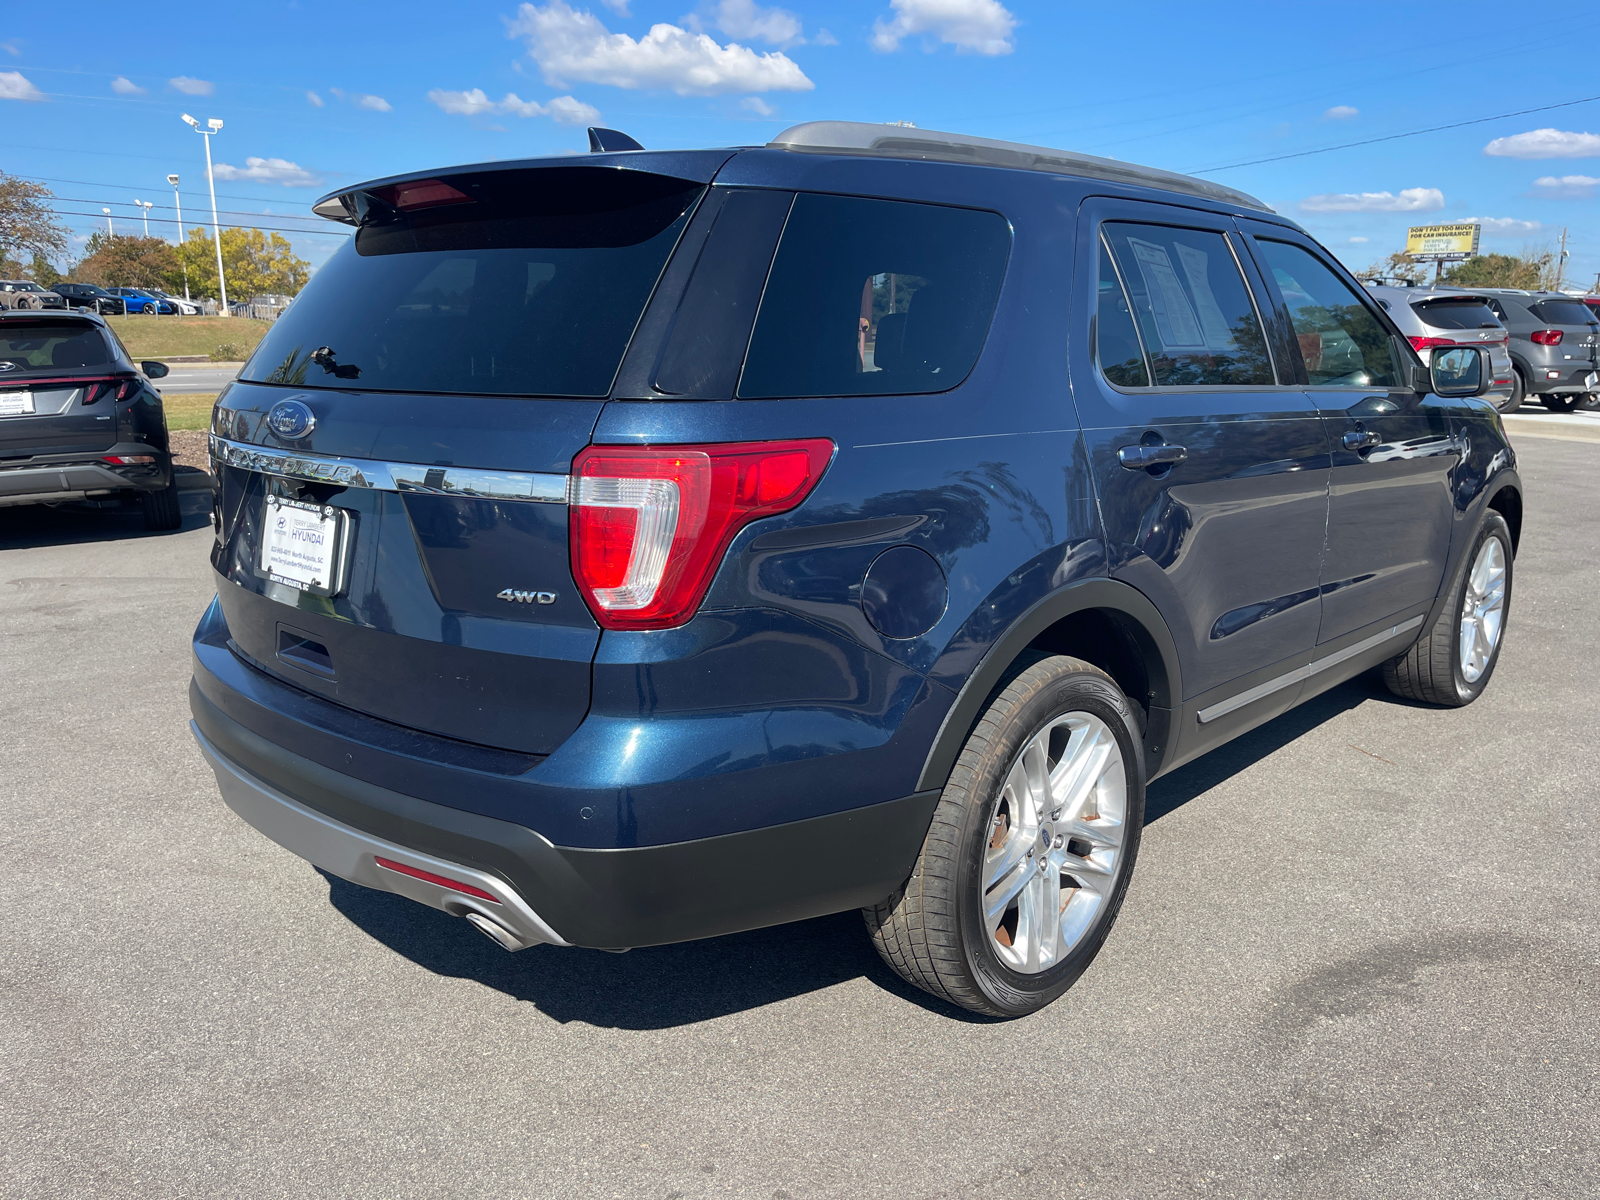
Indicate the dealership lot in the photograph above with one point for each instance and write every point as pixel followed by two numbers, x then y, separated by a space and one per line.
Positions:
pixel 1360 957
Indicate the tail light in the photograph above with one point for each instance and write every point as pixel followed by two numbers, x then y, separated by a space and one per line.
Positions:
pixel 128 460
pixel 1546 337
pixel 1429 343
pixel 650 524
pixel 97 390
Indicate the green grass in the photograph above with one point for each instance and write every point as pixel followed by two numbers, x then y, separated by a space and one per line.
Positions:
pixel 158 337
pixel 188 411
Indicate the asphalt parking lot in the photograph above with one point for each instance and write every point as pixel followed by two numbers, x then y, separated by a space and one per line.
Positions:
pixel 1361 957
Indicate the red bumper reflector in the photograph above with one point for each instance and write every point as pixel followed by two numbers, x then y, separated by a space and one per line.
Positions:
pixel 429 877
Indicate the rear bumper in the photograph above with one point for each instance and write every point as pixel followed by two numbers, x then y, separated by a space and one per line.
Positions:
pixel 1563 379
pixel 56 482
pixel 607 898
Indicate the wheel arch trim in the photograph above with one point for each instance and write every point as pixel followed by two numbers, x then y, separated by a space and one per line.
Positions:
pixel 1083 596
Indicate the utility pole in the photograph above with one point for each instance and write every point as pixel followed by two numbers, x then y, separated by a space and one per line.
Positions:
pixel 213 125
pixel 1561 259
pixel 178 200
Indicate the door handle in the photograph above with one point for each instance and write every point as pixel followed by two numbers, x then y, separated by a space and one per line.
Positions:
pixel 1361 439
pixel 1137 458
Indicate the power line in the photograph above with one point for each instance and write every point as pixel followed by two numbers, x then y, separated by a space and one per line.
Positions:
pixel 1521 112
pixel 152 188
pixel 139 208
pixel 225 224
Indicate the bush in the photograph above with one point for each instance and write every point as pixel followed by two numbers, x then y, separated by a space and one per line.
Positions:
pixel 229 352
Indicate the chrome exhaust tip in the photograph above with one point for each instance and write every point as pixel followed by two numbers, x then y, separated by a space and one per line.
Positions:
pixel 494 931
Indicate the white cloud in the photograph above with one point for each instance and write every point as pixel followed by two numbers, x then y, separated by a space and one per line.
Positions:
pixel 620 7
pixel 192 87
pixel 14 87
pixel 372 103
pixel 1503 226
pixel 564 110
pixel 314 100
pixel 1359 241
pixel 123 86
pixel 824 38
pixel 1341 112
pixel 1410 200
pixel 748 21
pixel 573 46
pixel 1545 143
pixel 978 26
pixel 12 49
pixel 1578 187
pixel 268 170
pixel 757 105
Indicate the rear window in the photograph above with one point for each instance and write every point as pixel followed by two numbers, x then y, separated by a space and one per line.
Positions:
pixel 875 297
pixel 1562 312
pixel 1456 314
pixel 33 346
pixel 530 285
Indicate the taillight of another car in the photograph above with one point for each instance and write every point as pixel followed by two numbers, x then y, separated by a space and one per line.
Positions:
pixel 1546 337
pixel 649 524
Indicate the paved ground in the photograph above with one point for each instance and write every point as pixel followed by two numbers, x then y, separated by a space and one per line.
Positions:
pixel 198 377
pixel 1359 960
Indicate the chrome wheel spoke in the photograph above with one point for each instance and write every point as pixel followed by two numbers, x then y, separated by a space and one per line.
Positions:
pixel 1482 609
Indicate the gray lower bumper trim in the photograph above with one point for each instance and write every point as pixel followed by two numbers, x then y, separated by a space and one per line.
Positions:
pixel 352 854
pixel 1251 695
pixel 52 481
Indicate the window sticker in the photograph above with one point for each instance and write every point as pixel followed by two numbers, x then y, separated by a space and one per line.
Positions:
pixel 1217 334
pixel 1175 319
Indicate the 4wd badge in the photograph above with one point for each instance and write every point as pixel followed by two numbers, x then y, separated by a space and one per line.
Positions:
pixel 515 597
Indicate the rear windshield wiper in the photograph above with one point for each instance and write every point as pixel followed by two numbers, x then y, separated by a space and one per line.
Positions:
pixel 323 357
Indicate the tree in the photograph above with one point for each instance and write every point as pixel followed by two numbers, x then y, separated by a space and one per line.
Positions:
pixel 43 272
pixel 1399 265
pixel 1533 269
pixel 256 263
pixel 28 225
pixel 122 261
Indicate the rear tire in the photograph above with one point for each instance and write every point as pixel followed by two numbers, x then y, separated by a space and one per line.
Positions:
pixel 1559 403
pixel 162 512
pixel 1452 663
pixel 1519 389
pixel 1030 850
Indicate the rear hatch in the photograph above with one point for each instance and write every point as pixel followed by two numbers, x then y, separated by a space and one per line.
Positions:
pixel 1575 322
pixel 411 419
pixel 56 388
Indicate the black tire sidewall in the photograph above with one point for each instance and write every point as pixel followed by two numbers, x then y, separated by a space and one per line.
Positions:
pixel 1494 526
pixel 1519 392
pixel 1073 691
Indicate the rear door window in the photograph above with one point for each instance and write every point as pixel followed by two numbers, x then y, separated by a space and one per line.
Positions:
pixel 1116 339
pixel 875 297
pixel 1195 316
pixel 1456 313
pixel 1341 341
pixel 529 284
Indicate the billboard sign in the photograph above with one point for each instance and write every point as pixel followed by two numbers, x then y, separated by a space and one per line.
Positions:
pixel 1442 243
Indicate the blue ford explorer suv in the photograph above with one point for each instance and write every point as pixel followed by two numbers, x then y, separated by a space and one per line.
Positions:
pixel 626 550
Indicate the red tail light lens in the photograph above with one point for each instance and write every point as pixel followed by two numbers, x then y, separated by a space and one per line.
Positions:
pixel 1546 337
pixel 1429 343
pixel 649 524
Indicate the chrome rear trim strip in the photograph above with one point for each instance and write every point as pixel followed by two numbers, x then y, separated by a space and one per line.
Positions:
pixel 1315 667
pixel 390 476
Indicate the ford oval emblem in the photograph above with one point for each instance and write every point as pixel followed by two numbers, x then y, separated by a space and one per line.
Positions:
pixel 291 420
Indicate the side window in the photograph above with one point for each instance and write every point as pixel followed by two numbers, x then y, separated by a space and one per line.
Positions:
pixel 1342 343
pixel 875 297
pixel 1193 309
pixel 1116 340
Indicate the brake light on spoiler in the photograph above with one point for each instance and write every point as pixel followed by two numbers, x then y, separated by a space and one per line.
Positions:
pixel 649 524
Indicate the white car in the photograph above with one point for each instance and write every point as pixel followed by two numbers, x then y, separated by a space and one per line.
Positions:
pixel 187 308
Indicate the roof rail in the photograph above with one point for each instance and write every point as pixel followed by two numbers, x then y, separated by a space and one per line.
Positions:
pixel 904 141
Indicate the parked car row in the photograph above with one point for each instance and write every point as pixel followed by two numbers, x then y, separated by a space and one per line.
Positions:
pixel 1544 344
pixel 89 297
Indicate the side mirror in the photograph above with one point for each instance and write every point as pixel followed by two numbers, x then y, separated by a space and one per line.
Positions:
pixel 155 370
pixel 1459 372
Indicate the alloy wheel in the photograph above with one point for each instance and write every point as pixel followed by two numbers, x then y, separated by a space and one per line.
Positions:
pixel 1482 609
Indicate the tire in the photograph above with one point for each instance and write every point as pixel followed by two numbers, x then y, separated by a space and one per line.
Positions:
pixel 1519 389
pixel 933 932
pixel 1435 670
pixel 1559 403
pixel 162 511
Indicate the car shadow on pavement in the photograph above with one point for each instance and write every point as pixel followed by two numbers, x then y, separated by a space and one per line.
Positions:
pixel 661 987
pixel 27 525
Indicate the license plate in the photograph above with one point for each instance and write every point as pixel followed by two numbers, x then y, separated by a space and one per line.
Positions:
pixel 304 545
pixel 16 404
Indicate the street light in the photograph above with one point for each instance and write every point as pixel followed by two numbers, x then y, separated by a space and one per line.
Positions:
pixel 178 200
pixel 146 206
pixel 109 229
pixel 212 126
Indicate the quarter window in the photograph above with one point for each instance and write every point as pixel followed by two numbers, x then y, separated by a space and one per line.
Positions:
pixel 1193 309
pixel 1340 340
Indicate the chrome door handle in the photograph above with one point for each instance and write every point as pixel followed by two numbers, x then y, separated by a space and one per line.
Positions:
pixel 1137 458
pixel 1361 439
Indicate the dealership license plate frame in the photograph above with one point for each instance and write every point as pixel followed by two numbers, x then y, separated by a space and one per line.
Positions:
pixel 334 522
pixel 17 403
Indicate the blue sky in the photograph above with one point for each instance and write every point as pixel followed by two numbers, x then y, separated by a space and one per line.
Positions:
pixel 318 95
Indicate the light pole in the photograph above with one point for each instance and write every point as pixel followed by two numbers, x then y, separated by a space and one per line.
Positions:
pixel 178 200
pixel 145 206
pixel 109 229
pixel 212 126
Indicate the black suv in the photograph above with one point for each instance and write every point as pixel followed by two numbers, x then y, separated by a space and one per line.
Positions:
pixel 79 422
pixel 643 548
